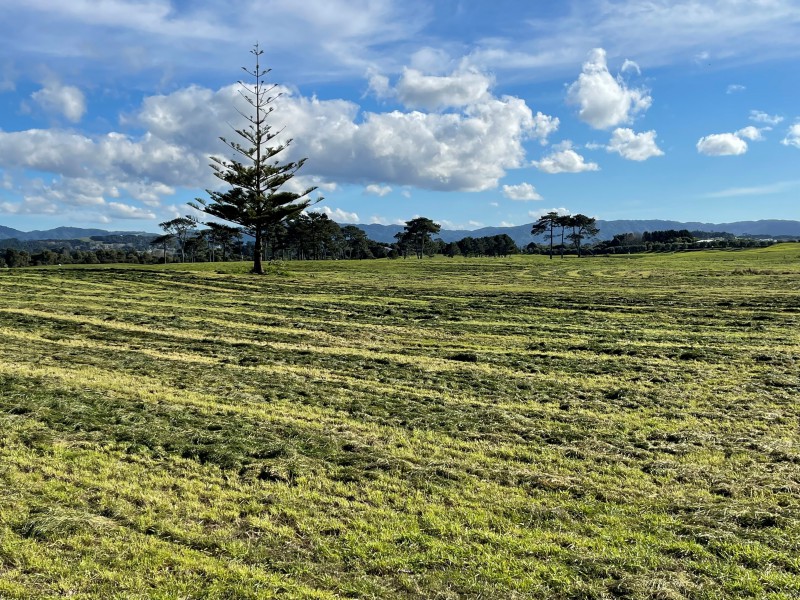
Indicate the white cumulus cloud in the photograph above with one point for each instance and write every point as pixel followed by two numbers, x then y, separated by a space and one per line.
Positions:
pixel 337 214
pixel 721 144
pixel 378 190
pixel 468 147
pixel 752 133
pixel 119 210
pixel 761 117
pixel 469 150
pixel 605 101
pixel 523 192
pixel 544 126
pixel 433 92
pixel 89 170
pixel 63 100
pixel 30 205
pixel 634 146
pixel 792 136
pixel 733 144
pixel 565 161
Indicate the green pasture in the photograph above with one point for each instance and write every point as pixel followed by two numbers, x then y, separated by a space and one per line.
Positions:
pixel 623 427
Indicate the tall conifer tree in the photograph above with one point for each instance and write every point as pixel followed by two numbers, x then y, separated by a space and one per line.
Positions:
pixel 256 199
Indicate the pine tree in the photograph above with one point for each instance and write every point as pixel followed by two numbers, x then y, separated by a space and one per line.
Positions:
pixel 582 227
pixel 256 199
pixel 418 231
pixel 180 229
pixel 547 224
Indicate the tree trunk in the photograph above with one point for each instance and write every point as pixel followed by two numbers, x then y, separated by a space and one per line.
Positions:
pixel 258 268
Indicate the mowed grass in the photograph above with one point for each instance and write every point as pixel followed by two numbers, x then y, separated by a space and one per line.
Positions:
pixel 624 427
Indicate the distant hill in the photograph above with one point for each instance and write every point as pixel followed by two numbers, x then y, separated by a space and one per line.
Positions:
pixel 8 233
pixel 59 233
pixel 521 234
pixel 767 227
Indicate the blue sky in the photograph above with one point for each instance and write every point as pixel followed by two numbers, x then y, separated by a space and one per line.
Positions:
pixel 471 113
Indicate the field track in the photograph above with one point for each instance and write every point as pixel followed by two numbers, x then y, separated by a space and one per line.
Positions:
pixel 624 427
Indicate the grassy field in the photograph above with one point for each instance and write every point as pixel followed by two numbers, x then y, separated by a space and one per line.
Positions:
pixel 623 427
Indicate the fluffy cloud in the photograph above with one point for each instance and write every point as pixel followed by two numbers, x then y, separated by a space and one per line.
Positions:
pixel 47 151
pixel 193 117
pixel 792 136
pixel 299 184
pixel 469 147
pixel 732 144
pixel 752 133
pixel 148 193
pixel 721 144
pixel 431 60
pixel 30 205
pixel 113 156
pixel 762 117
pixel 629 65
pixel 605 101
pixel 378 190
pixel 564 161
pixel 86 196
pixel 432 92
pixel 735 88
pixel 468 150
pixel 379 85
pixel 118 210
pixel 90 171
pixel 634 146
pixel 544 126
pixel 337 214
pixel 63 100
pixel 523 191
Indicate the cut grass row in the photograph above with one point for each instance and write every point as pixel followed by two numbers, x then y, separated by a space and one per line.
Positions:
pixel 622 427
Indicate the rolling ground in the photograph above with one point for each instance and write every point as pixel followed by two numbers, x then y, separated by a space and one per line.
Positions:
pixel 624 427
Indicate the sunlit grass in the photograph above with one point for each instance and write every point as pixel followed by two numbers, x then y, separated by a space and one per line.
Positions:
pixel 621 427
